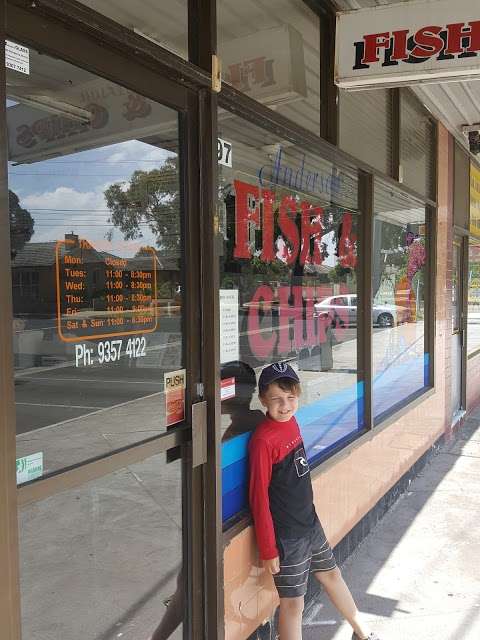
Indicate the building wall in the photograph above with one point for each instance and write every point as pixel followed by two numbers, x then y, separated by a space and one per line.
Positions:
pixel 348 489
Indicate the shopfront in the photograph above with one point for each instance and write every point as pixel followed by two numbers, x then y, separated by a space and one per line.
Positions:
pixel 162 239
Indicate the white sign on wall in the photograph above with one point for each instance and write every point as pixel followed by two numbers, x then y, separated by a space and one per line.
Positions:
pixel 229 333
pixel 407 43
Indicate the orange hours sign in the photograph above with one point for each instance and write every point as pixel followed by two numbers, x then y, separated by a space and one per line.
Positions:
pixel 101 295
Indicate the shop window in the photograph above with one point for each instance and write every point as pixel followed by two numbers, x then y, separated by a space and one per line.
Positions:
pixel 400 359
pixel 365 127
pixel 96 262
pixel 417 145
pixel 473 316
pixel 288 285
pixel 473 326
pixel 271 52
pixel 165 23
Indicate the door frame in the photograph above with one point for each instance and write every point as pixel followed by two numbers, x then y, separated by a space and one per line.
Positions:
pixel 97 44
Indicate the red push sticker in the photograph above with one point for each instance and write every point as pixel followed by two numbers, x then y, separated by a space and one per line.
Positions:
pixel 174 386
pixel 227 389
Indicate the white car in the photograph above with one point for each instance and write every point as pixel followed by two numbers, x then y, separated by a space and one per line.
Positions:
pixel 344 308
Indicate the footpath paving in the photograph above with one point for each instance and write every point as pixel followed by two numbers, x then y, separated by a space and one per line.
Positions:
pixel 417 575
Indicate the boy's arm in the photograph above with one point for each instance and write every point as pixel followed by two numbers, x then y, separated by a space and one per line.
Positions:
pixel 260 476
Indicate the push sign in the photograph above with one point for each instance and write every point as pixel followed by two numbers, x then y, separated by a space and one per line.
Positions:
pixel 224 152
pixel 174 385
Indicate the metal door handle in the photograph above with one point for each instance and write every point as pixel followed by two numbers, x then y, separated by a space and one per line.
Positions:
pixel 199 433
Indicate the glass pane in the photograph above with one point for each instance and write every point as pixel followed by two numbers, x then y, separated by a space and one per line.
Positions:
pixel 96 264
pixel 399 290
pixel 366 126
pixel 456 287
pixel 417 145
pixel 166 22
pixel 288 292
pixel 473 338
pixel 271 52
pixel 105 560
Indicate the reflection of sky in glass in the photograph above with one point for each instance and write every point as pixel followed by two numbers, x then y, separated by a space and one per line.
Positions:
pixel 66 194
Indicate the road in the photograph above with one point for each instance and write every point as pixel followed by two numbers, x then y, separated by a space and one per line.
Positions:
pixel 62 393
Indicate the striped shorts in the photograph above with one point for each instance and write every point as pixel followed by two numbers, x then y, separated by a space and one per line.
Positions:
pixel 298 558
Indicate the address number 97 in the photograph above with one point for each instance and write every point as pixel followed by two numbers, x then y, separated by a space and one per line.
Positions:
pixel 224 152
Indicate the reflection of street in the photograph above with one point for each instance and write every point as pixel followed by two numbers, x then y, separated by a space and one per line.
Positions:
pixel 120 539
pixel 399 365
pixel 54 396
pixel 73 413
pixel 51 392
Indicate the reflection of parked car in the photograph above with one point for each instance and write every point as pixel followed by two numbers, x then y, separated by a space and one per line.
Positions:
pixel 344 308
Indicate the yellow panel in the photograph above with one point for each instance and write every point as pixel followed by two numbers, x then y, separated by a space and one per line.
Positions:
pixel 474 200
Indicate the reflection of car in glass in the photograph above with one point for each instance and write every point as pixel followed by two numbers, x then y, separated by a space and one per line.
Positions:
pixel 344 309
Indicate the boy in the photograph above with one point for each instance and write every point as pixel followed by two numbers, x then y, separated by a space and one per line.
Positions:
pixel 290 537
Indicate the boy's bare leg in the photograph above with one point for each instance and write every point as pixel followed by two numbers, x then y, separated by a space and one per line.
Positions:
pixel 290 618
pixel 338 592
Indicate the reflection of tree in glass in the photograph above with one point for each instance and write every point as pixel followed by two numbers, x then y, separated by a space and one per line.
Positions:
pixel 150 198
pixel 21 224
pixel 391 239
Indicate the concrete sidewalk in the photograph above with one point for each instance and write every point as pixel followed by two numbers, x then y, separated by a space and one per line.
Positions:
pixel 417 575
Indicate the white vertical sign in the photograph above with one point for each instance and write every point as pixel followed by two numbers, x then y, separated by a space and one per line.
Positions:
pixel 229 333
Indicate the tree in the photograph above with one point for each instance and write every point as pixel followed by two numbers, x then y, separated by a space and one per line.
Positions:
pixel 21 224
pixel 151 198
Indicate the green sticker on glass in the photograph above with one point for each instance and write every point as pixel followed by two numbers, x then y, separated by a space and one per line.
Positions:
pixel 29 467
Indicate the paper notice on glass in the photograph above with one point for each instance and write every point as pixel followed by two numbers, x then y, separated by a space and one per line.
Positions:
pixel 229 333
pixel 17 57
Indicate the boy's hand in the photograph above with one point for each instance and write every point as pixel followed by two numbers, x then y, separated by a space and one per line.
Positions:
pixel 273 565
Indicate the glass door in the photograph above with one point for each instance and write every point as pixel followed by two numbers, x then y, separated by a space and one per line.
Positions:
pixel 97 221
pixel 458 331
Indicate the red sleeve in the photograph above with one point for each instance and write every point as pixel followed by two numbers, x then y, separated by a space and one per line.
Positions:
pixel 260 475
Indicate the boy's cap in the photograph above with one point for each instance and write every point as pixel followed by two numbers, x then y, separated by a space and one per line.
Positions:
pixel 274 372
